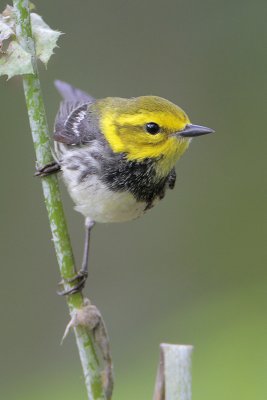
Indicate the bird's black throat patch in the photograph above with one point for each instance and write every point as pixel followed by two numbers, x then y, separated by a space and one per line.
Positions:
pixel 139 178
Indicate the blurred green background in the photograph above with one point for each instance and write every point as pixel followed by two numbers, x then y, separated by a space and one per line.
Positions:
pixel 193 270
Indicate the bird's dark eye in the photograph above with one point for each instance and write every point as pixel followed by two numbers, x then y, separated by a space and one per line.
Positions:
pixel 152 128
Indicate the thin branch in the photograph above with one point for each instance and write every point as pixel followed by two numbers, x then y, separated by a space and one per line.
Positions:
pixel 39 128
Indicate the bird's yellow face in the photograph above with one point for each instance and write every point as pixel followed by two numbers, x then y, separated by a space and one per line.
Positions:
pixel 145 127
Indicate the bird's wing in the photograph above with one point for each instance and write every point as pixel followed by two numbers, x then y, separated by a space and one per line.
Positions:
pixel 73 125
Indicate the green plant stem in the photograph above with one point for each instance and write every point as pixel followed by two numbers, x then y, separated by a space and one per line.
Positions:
pixel 40 135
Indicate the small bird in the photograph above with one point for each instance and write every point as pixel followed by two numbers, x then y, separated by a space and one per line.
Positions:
pixel 117 156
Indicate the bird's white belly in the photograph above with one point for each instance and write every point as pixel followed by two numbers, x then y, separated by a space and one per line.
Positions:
pixel 95 201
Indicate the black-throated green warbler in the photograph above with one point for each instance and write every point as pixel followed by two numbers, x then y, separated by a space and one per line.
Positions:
pixel 117 156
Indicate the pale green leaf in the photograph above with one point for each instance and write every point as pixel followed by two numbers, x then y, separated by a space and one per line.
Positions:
pixel 7 24
pixel 15 61
pixel 5 30
pixel 45 38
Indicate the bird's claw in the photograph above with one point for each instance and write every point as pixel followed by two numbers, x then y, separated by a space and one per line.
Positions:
pixel 47 169
pixel 80 278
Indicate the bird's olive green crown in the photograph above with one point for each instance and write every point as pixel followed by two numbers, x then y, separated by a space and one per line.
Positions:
pixel 147 127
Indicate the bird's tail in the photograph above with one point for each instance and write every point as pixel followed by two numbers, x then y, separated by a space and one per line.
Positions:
pixel 72 94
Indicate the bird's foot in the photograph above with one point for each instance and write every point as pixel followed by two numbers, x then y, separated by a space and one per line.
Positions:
pixel 47 169
pixel 79 278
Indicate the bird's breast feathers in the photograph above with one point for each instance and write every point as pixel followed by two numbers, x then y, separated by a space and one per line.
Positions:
pixel 94 200
pixel 107 187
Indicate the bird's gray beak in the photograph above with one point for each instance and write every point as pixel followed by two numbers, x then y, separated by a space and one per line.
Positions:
pixel 194 130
